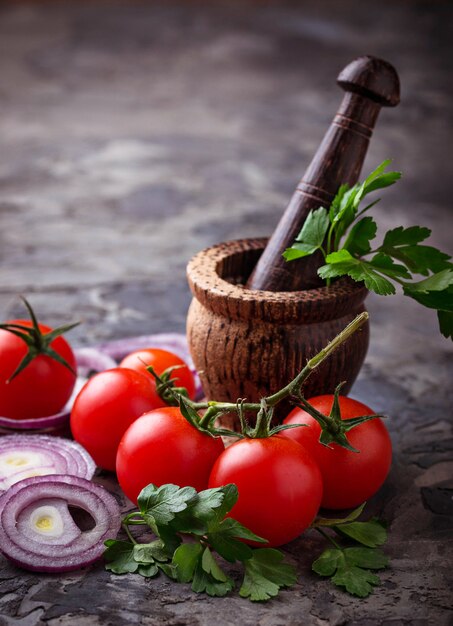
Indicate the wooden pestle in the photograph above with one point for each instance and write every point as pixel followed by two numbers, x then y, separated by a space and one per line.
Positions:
pixel 369 84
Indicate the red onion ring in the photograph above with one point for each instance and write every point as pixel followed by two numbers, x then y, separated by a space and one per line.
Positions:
pixel 66 549
pixel 88 360
pixel 46 455
pixel 174 342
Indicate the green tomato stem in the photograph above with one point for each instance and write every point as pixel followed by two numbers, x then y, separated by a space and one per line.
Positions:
pixel 216 408
pixel 128 532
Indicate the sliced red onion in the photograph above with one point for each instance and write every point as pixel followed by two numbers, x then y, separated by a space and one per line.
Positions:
pixel 89 360
pixel 51 519
pixel 24 456
pixel 36 528
pixel 174 342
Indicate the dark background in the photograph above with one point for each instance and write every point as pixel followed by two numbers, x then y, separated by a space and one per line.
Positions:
pixel 133 134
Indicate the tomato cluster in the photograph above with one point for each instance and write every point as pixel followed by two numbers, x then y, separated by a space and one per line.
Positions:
pixel 120 418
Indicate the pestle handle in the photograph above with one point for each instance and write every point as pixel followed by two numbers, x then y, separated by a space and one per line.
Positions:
pixel 369 83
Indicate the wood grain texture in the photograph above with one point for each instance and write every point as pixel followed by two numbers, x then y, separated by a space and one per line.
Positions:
pixel 248 344
pixel 369 84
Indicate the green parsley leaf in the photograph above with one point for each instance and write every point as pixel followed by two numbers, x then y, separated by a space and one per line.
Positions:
pixel 343 210
pixel 311 236
pixel 383 263
pixel 230 497
pixel 403 244
pixel 446 323
pixel 266 574
pixel 341 263
pixel 299 250
pixel 209 501
pixel 326 521
pixel 314 228
pixel 168 569
pixel 162 503
pixel 440 300
pixel 381 181
pixel 370 534
pixel 207 509
pixel 148 570
pixel 346 211
pixel 204 581
pixel 435 282
pixel 350 567
pixel 224 539
pixel 150 552
pixel 120 556
pixel 168 536
pixel 337 202
pixel 210 566
pixel 401 236
pixel 185 560
pixel 360 235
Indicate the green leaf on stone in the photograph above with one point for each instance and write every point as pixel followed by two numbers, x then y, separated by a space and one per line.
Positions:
pixel 120 556
pixel 350 568
pixel 185 560
pixel 371 533
pixel 265 574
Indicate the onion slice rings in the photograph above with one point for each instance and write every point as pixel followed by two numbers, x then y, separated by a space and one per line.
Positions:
pixel 37 531
pixel 25 456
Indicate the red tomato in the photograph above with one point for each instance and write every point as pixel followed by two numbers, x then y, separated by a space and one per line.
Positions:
pixel 43 387
pixel 161 360
pixel 280 486
pixel 106 406
pixel 162 447
pixel 349 478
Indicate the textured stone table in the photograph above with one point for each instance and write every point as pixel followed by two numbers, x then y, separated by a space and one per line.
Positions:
pixel 134 134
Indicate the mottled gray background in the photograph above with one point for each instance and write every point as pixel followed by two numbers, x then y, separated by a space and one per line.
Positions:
pixel 133 134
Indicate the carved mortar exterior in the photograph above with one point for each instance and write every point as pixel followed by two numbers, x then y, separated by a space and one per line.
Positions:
pixel 248 344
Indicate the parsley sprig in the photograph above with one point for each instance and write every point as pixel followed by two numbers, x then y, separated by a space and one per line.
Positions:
pixel 352 567
pixel 191 532
pixel 173 513
pixel 344 235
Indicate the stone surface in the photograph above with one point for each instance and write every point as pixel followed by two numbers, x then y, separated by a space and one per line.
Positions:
pixel 134 134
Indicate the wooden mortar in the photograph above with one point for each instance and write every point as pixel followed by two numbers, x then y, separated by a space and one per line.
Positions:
pixel 248 344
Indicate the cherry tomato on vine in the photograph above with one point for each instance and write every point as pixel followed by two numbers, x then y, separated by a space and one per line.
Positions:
pixel 106 406
pixel 161 360
pixel 349 477
pixel 162 447
pixel 44 386
pixel 280 486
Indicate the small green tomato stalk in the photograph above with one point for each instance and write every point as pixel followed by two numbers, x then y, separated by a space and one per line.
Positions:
pixel 333 428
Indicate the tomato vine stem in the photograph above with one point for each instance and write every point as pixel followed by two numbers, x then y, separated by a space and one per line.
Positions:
pixel 264 408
